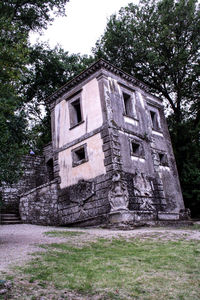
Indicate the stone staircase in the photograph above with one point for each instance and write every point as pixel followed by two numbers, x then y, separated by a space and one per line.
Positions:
pixel 9 219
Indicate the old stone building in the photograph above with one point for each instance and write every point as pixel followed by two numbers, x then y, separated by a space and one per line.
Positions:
pixel 111 159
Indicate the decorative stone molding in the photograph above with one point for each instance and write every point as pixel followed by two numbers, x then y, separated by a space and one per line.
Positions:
pixel 118 194
pixel 142 186
pixel 100 64
pixel 144 190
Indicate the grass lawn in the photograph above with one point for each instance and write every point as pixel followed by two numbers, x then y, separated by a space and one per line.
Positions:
pixel 111 269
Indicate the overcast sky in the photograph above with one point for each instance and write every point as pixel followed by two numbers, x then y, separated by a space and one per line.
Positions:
pixel 84 24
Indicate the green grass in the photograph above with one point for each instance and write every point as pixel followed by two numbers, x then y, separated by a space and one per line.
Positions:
pixel 193 227
pixel 120 269
pixel 63 233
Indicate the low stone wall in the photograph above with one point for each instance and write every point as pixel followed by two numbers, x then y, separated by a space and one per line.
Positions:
pixel 34 174
pixel 40 205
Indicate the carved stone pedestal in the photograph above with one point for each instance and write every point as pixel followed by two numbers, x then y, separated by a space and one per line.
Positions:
pixel 121 216
pixel 144 216
pixel 132 217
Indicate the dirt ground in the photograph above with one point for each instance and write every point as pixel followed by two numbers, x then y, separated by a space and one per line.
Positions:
pixel 17 242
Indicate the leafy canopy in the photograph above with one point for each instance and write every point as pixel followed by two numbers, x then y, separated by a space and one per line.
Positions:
pixel 32 14
pixel 158 42
pixel 49 69
pixel 17 19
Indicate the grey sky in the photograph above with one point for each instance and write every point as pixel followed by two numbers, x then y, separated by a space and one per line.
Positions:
pixel 84 24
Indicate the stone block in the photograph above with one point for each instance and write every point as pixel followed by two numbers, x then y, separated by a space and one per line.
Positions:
pixel 167 216
pixel 108 161
pixel 121 216
pixel 106 139
pixel 106 146
pixel 108 153
pixel 104 132
pixel 144 216
pixel 110 168
pixel 101 194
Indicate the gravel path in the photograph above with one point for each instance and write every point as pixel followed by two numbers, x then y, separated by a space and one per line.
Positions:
pixel 17 242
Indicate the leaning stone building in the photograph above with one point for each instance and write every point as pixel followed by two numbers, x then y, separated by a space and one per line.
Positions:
pixel 111 158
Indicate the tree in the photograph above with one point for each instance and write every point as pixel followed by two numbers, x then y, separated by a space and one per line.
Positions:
pixel 32 14
pixel 49 70
pixel 13 58
pixel 187 153
pixel 17 19
pixel 158 43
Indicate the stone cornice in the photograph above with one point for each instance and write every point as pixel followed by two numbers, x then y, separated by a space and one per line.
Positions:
pixel 100 64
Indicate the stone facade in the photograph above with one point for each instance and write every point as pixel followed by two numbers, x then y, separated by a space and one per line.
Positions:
pixel 111 156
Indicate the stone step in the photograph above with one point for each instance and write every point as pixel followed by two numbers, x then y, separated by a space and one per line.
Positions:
pixel 9 219
pixel 11 222
pixel 9 216
pixel 6 219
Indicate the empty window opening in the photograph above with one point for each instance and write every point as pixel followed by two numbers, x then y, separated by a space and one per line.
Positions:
pixel 128 105
pixel 135 148
pixel 163 159
pixel 77 111
pixel 154 120
pixel 79 154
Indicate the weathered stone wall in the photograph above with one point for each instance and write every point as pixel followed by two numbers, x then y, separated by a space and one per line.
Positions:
pixel 151 184
pixel 40 205
pixel 34 174
pixel 85 203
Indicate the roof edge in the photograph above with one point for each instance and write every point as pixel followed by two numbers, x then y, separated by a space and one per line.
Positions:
pixel 101 63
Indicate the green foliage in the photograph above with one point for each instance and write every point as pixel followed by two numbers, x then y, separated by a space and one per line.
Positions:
pixel 186 140
pixel 49 69
pixel 158 42
pixel 17 19
pixel 12 140
pixel 13 57
pixel 27 76
pixel 32 14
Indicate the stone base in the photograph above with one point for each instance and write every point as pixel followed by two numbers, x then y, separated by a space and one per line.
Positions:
pixel 121 216
pixel 141 217
pixel 144 216
pixel 163 216
pixel 126 216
